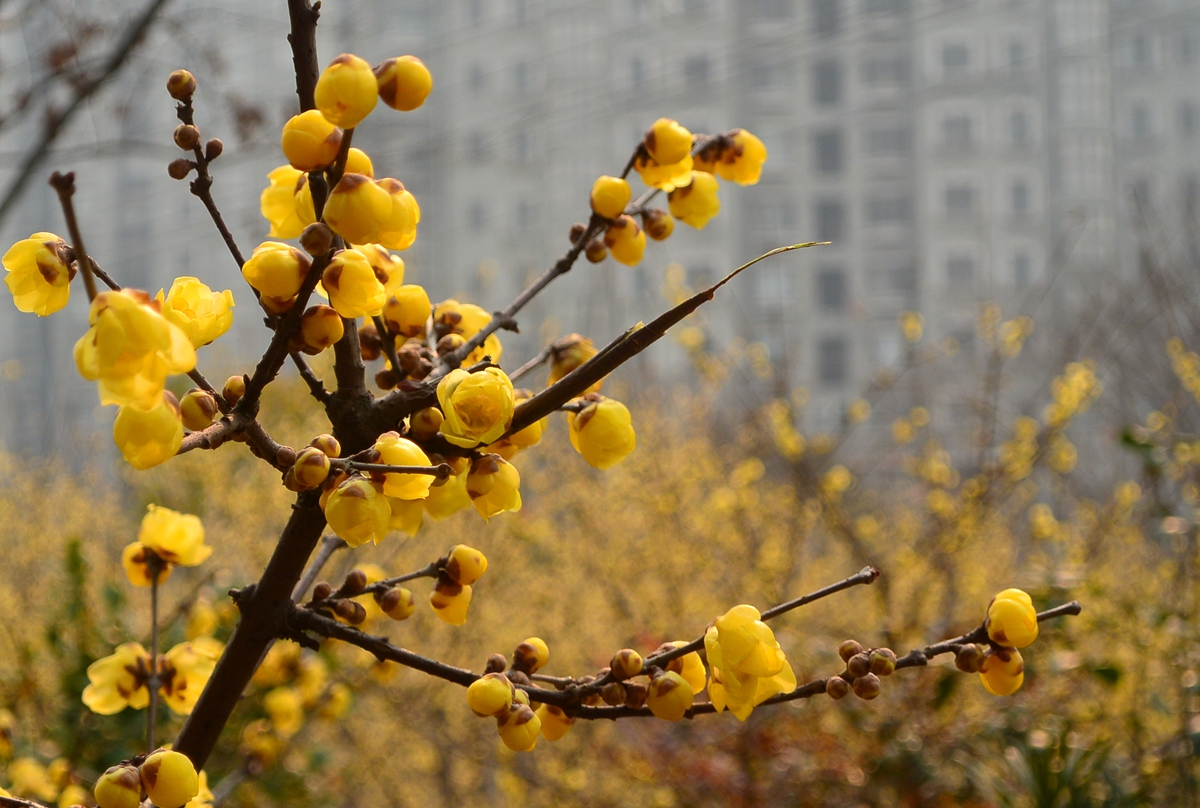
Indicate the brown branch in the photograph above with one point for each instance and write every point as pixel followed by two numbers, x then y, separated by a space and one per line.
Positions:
pixel 303 40
pixel 201 187
pixel 442 471
pixel 329 546
pixel 540 359
pixel 315 385
pixel 430 570
pixel 348 366
pixel 389 343
pixel 64 185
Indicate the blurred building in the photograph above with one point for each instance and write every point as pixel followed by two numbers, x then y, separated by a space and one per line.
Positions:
pixel 953 151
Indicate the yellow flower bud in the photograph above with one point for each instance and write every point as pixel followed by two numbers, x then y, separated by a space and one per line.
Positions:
pixel 358 512
pixel 327 444
pixel 185 671
pixel 198 311
pixel 320 327
pixel 197 409
pixel 664 177
pixel 657 223
pixel 136 562
pixel 490 695
pixel 696 202
pixel 276 269
pixel 568 354
pixel 181 84
pixel 310 142
pixel 448 498
pixel 39 274
pixel 173 536
pixel 119 787
pixel 398 226
pixel 404 82
pixel 689 666
pixel 346 92
pixel 670 696
pixel 397 603
pixel 1003 672
pixel 554 722
pixel 626 664
pixel 302 202
pixel 353 287
pixel 742 161
pixel 625 240
pixel 667 141
pixel 357 209
pixel 277 202
pixel 602 432
pixel 311 467
pixel 478 406
pixel 357 162
pixel 519 729
pixel 407 310
pixel 494 486
pixel 610 195
pixel 388 268
pixel 397 451
pixel 1011 619
pixel 170 779
pixel 118 681
pixel 149 438
pixel 465 565
pixel 450 602
pixel 531 655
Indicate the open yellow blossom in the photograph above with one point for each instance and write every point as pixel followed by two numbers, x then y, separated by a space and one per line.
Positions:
pixel 745 661
pixel 276 270
pixel 118 681
pixel 407 310
pixel 695 202
pixel 284 707
pixel 136 562
pixel 1003 672
pixel 310 141
pixel 358 512
pixel 346 92
pixel 277 203
pixel 39 273
pixel 200 312
pixel 388 268
pixel 602 432
pixel 354 288
pixel 407 514
pixel 177 538
pixel 148 438
pixel 204 795
pixel 664 177
pixel 478 406
pixel 668 141
pixel 690 667
pixel 742 161
pixel 397 451
pixel 31 779
pixel 357 209
pixel 448 498
pixel 494 486
pixel 1011 619
pixel 185 670
pixel 398 227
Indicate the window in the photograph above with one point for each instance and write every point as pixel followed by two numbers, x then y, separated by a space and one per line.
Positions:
pixel 831 360
pixel 831 220
pixel 1020 198
pixel 1022 269
pixel 886 70
pixel 1139 50
pixel 695 71
pixel 827 81
pixel 960 199
pixel 889 210
pixel 955 57
pixel 827 16
pixel 956 132
pixel 829 151
pixel 1018 128
pixel 890 140
pixel 1140 122
pixel 1016 54
pixel 960 269
pixel 475 77
pixel 831 289
pixel 1187 119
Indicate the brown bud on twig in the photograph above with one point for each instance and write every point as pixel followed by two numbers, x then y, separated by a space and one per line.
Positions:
pixel 883 662
pixel 837 688
pixel 187 136
pixel 858 665
pixel 595 251
pixel 213 149
pixel 625 664
pixel 316 239
pixel 613 693
pixel 496 663
pixel 369 342
pixel 635 695
pixel 181 85
pixel 577 231
pixel 179 169
pixel 322 590
pixel 285 456
pixel 389 599
pixel 519 678
pixel 356 581
pixel 849 648
pixel 291 483
pixel 969 658
pixel 386 379
pixel 867 687
pixel 351 611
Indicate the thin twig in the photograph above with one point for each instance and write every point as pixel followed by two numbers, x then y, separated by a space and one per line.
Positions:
pixel 329 546
pixel 389 342
pixel 430 570
pixel 201 187
pixel 64 185
pixel 532 364
pixel 154 566
pixel 442 470
pixel 315 385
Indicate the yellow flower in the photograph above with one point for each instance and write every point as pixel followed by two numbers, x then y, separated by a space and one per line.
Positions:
pixel 200 312
pixel 174 537
pixel 398 227
pixel 407 310
pixel 185 670
pixel 39 274
pixel 668 141
pixel 609 197
pixel 690 667
pixel 310 141
pixel 353 286
pixel 397 451
pixel 519 729
pixel 657 223
pixel 670 696
pixel 448 498
pixel 531 655
pixel 170 779
pixel 276 269
pixel 357 162
pixel 625 240
pixel 494 486
pixel 388 268
pixel 1003 672
pixel 148 438
pixel 490 695
pixel 746 663
pixel 130 349
pixel 358 512
pixel 357 209
pixel 404 83
pixel 695 202
pixel 285 710
pixel 554 722
pixel 118 681
pixel 137 565
pixel 1011 619
pixel 531 435
pixel 320 327
pixel 478 406
pixel 30 779
pixel 465 565
pixel 450 601
pixel 302 202
pixel 204 795
pixel 602 432
pixel 277 203
pixel 119 787
pixel 568 354
pixel 407 514
pixel 336 704
pixel 742 161
pixel 346 92
pixel 664 177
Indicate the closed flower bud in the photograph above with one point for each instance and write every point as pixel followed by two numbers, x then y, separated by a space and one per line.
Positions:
pixel 310 142
pixel 358 512
pixel 198 311
pixel 490 695
pixel 465 565
pixel 450 602
pixel 187 137
pixel 668 141
pixel 276 270
pixel 609 197
pixel 602 432
pixel 496 663
pixel 635 695
pixel 1011 619
pixel 136 560
pixel 386 379
pixel 357 162
pixel 119 787
pixel 327 444
pixel 316 238
pixel 357 209
pixel 837 688
pixel 397 451
pixel 657 223
pixel 555 723
pixel 625 664
pixel 169 778
pixel 595 251
pixel 181 85
pixel 577 231
pixel 370 344
pixel 351 611
pixel 424 424
pixel 398 226
pixel 866 687
pixel 355 582
pixel 477 406
pixel 198 408
pixel 407 310
pixel 883 662
pixel 285 456
pixel 858 665
pixel 148 438
pixel 626 241
pixel 397 603
pixel 39 273
pixel 670 696
pixel 234 389
pixel 849 648
pixel 531 655
pixel 613 693
pixel 969 658
pixel 346 92
pixel 1002 672
pixel 494 486
pixel 277 203
pixel 354 290
pixel 696 202
pixel 404 83
pixel 520 729
pixel 743 159
pixel 311 467
pixel 213 149
pixel 180 168
pixel 322 590
pixel 450 343
pixel 320 327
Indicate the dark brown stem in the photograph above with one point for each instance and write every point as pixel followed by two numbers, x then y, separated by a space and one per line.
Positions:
pixel 201 187
pixel 64 185
pixel 154 567
pixel 348 367
pixel 389 342
pixel 329 546
pixel 541 358
pixel 303 40
pixel 315 385
pixel 442 471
